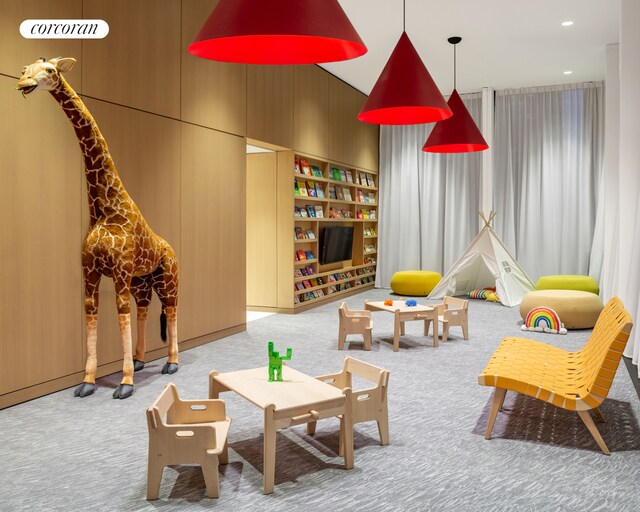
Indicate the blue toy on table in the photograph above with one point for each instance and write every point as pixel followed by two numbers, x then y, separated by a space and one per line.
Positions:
pixel 411 302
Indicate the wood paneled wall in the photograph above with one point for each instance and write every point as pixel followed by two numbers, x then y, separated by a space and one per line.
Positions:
pixel 176 127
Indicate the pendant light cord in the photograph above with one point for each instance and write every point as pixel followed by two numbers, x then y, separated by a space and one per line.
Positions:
pixel 454 65
pixel 404 15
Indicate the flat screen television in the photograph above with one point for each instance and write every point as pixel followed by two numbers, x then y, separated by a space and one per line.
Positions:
pixel 336 244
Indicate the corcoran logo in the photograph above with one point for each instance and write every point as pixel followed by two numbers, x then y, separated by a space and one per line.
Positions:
pixel 64 29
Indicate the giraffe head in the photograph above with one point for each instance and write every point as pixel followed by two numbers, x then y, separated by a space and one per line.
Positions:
pixel 44 74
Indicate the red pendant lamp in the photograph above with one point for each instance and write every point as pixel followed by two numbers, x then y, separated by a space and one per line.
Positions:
pixel 278 32
pixel 405 93
pixel 459 134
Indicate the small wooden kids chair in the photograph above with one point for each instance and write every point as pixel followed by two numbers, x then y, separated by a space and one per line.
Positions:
pixel 367 404
pixel 354 322
pixel 186 432
pixel 451 317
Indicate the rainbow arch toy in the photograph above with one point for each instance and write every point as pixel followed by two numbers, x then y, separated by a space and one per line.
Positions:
pixel 543 319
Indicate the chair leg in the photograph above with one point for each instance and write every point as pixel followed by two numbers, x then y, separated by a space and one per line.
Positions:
pixel 383 430
pixel 367 339
pixel 154 477
pixel 588 421
pixel 211 478
pixel 311 427
pixel 445 331
pixel 498 399
pixel 598 413
pixel 341 339
pixel 341 445
pixel 465 329
pixel 401 328
pixel 427 325
pixel 224 455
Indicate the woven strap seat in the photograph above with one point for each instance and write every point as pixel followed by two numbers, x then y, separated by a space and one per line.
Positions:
pixel 577 381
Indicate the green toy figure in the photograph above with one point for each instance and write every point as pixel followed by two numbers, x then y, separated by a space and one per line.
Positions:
pixel 275 363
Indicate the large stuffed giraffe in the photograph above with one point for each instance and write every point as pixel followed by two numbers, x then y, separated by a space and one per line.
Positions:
pixel 119 244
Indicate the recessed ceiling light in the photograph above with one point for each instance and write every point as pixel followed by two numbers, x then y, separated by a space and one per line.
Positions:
pixel 568 72
pixel 567 23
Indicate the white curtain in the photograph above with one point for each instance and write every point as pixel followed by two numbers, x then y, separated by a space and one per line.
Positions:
pixel 548 149
pixel 428 202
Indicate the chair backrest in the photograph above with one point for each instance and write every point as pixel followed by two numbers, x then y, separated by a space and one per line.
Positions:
pixel 163 407
pixel 600 357
pixel 343 310
pixel 455 302
pixel 367 404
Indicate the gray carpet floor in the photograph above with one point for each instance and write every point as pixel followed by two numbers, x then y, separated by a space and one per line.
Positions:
pixel 64 453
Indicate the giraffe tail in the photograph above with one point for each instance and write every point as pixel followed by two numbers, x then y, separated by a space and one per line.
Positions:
pixel 163 326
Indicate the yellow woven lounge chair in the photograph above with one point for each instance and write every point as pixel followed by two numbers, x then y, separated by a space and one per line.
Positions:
pixel 576 381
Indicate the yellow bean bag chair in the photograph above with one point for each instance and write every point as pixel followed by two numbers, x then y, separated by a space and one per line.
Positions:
pixel 417 283
pixel 568 282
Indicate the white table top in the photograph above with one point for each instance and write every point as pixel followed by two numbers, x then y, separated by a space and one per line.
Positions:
pixel 397 305
pixel 296 389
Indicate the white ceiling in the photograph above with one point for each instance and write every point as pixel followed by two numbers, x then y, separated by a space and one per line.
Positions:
pixel 505 43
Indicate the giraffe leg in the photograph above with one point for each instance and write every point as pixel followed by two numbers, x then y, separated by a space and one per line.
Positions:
pixel 171 366
pixel 91 296
pixel 141 291
pixel 122 281
pixel 165 283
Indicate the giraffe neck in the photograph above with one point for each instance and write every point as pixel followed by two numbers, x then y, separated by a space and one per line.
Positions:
pixel 106 193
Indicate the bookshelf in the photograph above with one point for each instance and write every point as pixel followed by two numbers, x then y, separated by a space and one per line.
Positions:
pixel 329 193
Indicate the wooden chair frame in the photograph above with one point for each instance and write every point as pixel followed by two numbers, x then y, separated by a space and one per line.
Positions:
pixel 451 313
pixel 354 322
pixel 367 404
pixel 186 432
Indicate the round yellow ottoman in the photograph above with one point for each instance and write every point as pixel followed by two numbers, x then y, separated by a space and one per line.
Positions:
pixel 417 283
pixel 576 309
pixel 568 282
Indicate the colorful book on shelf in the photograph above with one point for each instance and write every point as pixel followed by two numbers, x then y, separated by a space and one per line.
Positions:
pixel 297 233
pixel 335 174
pixel 370 181
pixel 333 213
pixel 311 188
pixel 303 271
pixel 296 190
pixel 340 193
pixel 332 192
pixel 306 283
pixel 360 196
pixel 309 255
pixel 371 198
pixel 310 234
pixel 299 286
pixel 332 289
pixel 297 272
pixel 296 166
pixel 305 167
pixel 349 176
pixel 303 212
pixel 302 188
pixel 311 211
pixel 343 175
pixel 319 212
pixel 310 270
pixel 347 194
pixel 319 190
pixel 301 255
pixel 296 212
pixel 315 171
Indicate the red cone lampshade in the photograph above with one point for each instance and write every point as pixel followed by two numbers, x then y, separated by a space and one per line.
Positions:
pixel 459 134
pixel 278 32
pixel 405 93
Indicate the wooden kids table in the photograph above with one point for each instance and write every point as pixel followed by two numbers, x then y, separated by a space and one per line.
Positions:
pixel 404 314
pixel 296 400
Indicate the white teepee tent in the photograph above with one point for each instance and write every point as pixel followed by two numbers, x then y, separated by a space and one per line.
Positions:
pixel 486 263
